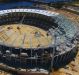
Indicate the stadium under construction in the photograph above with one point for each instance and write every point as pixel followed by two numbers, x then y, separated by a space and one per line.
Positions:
pixel 36 40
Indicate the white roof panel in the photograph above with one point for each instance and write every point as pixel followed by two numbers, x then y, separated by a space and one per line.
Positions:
pixel 43 12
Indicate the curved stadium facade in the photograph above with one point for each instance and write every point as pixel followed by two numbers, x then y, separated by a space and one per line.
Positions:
pixel 59 52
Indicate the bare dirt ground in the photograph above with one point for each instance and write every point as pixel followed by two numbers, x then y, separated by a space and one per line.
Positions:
pixel 28 36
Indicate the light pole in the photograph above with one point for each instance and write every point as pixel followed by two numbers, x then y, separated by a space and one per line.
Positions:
pixel 52 32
